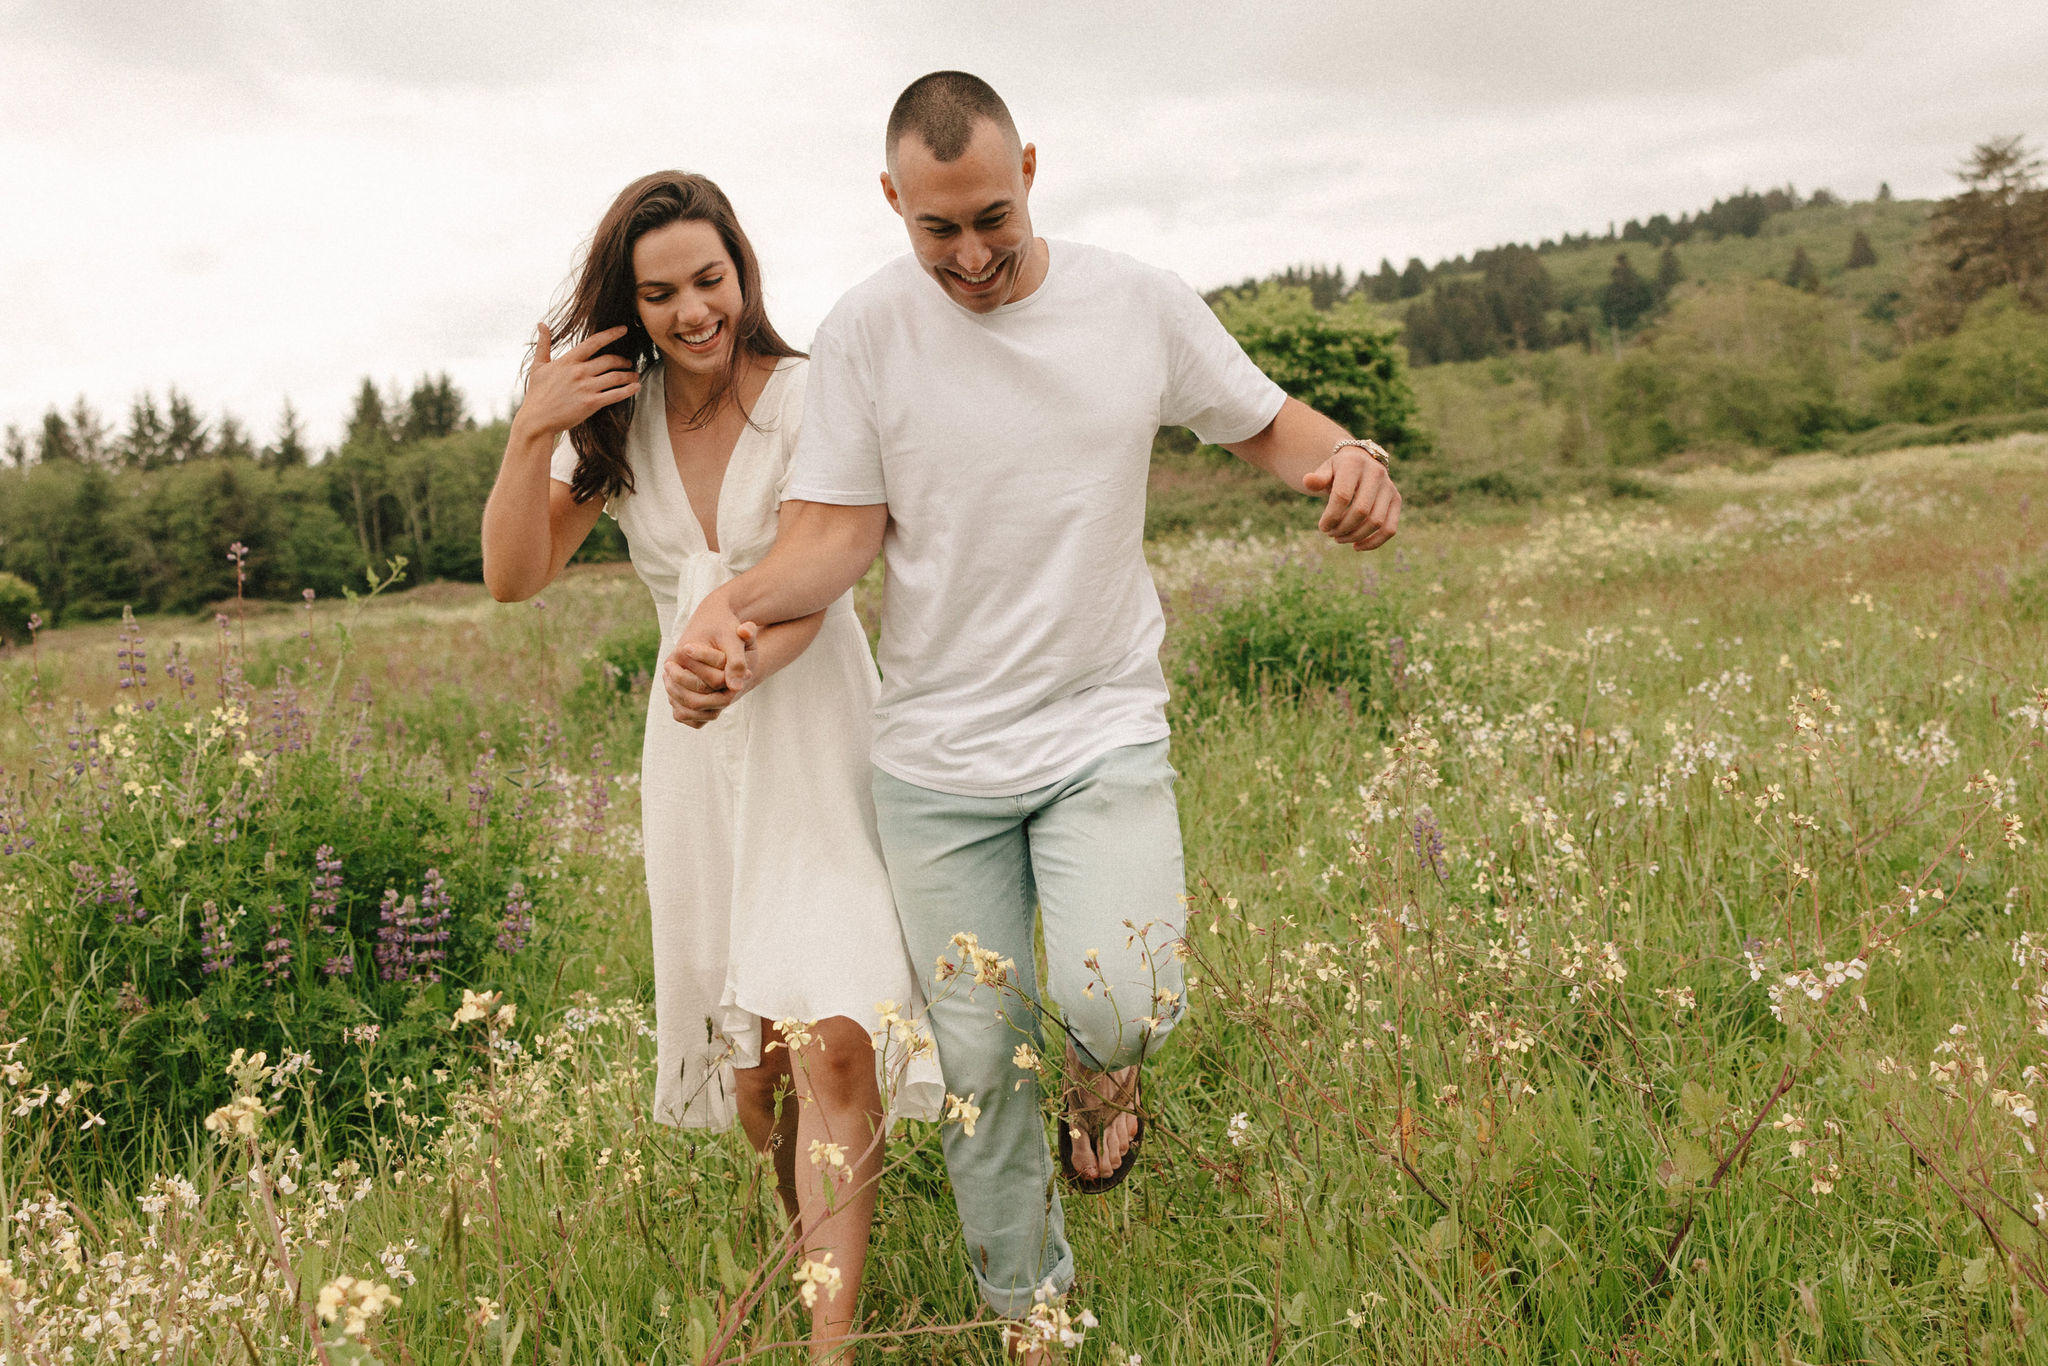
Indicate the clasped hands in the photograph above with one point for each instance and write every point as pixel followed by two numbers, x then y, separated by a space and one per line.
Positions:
pixel 712 665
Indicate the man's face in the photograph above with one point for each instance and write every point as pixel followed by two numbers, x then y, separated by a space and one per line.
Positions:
pixel 969 219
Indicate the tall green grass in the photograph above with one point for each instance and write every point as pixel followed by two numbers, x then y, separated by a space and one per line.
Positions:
pixel 1656 977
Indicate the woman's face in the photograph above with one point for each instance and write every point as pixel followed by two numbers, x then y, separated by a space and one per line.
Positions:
pixel 689 295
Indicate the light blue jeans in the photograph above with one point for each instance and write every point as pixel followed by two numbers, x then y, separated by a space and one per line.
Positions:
pixel 1099 854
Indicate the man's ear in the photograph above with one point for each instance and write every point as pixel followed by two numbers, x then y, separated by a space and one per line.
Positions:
pixel 889 193
pixel 1030 163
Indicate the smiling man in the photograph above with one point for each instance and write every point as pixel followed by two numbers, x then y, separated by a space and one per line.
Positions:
pixel 982 413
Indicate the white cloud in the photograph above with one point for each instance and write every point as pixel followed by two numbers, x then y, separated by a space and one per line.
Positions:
pixel 249 201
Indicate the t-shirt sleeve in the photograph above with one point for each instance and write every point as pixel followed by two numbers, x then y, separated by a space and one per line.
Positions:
pixel 562 464
pixel 1212 387
pixel 789 424
pixel 838 457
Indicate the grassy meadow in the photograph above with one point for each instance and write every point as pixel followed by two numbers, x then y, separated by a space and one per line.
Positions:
pixel 1616 934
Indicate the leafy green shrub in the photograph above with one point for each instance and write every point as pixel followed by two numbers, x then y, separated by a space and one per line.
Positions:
pixel 1760 366
pixel 1340 361
pixel 18 602
pixel 1996 363
pixel 1303 633
pixel 198 873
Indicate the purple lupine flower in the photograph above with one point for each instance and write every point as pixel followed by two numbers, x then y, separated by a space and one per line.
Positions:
pixel 122 894
pixel 14 836
pixel 216 947
pixel 129 654
pixel 430 932
pixel 325 905
pixel 118 890
pixel 480 787
pixel 277 950
pixel 395 917
pixel 326 891
pixel 179 669
pixel 516 926
pixel 1429 842
pixel 600 793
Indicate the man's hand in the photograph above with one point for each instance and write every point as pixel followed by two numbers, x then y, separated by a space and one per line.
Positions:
pixel 1364 510
pixel 712 665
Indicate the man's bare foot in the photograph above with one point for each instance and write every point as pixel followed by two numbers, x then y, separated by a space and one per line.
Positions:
pixel 1105 1103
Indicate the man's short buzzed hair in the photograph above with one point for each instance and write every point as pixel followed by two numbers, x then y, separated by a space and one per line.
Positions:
pixel 942 109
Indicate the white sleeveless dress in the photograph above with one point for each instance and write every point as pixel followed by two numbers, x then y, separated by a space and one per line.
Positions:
pixel 764 872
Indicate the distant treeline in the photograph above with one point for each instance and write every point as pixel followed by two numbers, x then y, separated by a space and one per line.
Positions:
pixel 1766 323
pixel 1502 299
pixel 93 518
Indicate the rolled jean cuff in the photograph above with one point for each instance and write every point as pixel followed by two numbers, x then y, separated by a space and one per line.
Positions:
pixel 1150 1042
pixel 1015 1304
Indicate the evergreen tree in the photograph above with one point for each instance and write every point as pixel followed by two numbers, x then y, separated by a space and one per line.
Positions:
pixel 90 436
pixel 16 447
pixel 1801 274
pixel 1414 278
pixel 1518 294
pixel 1994 234
pixel 185 434
pixel 368 423
pixel 1669 273
pixel 1627 298
pixel 1386 285
pixel 1884 192
pixel 231 440
pixel 1861 253
pixel 55 442
pixel 1740 215
pixel 288 450
pixel 142 445
pixel 436 408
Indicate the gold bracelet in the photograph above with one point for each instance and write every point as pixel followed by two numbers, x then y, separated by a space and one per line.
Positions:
pixel 1371 448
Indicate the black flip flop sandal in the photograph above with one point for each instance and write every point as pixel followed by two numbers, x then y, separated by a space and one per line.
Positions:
pixel 1096 1185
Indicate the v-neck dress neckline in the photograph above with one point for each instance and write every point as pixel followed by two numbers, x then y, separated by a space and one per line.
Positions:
pixel 667 453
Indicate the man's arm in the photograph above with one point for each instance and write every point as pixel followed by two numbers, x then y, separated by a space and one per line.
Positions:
pixel 696 686
pixel 1364 510
pixel 820 551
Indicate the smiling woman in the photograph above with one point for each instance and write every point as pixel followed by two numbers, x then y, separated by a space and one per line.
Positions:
pixel 609 295
pixel 675 406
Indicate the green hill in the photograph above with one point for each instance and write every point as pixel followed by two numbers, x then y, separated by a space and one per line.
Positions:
pixel 1824 230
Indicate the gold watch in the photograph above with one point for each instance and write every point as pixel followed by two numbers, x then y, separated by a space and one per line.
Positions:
pixel 1371 448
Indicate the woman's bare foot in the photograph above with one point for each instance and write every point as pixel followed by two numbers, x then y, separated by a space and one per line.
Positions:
pixel 1105 1103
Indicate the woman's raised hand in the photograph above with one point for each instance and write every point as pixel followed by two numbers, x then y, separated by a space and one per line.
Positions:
pixel 562 391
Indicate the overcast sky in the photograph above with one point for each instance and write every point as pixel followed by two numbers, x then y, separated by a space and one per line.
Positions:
pixel 260 200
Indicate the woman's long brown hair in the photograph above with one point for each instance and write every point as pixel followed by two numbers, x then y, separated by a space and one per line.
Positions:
pixel 605 296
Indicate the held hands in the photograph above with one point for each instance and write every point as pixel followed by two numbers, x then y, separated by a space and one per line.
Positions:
pixel 1364 510
pixel 711 667
pixel 562 391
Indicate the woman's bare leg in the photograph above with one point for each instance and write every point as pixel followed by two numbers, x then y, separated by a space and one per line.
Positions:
pixel 839 1115
pixel 768 1113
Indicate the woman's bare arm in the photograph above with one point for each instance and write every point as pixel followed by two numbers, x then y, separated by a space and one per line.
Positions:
pixel 532 524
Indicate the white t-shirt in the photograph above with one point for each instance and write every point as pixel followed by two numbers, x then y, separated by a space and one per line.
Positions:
pixel 1021 628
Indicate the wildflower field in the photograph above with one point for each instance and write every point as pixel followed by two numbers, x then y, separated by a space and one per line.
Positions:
pixel 1616 933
